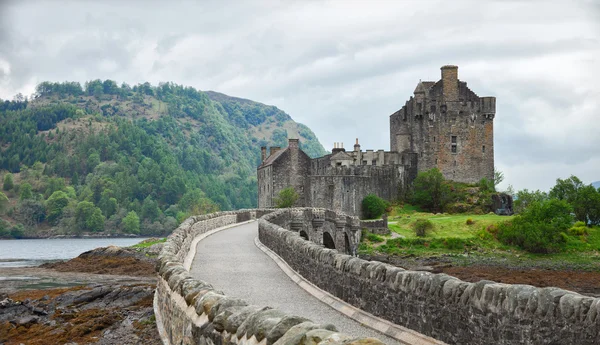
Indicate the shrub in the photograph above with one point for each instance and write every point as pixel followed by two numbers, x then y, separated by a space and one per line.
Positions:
pixel 373 206
pixel 454 243
pixel 423 227
pixel 374 237
pixel 287 198
pixel 540 228
pixel 470 221
pixel 578 229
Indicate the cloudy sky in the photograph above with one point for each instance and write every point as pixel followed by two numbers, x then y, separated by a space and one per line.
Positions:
pixel 340 67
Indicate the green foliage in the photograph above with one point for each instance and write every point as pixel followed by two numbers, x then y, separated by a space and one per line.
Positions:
pixel 287 197
pixel 175 139
pixel 4 203
pixel 131 223
pixel 540 227
pixel 423 227
pixel 55 205
pixel 149 243
pixel 431 191
pixel 486 185
pixel 8 182
pixel 524 198
pixel 26 192
pixel 88 217
pixel 373 237
pixel 498 178
pixel 373 206
pixel 469 221
pixel 578 229
pixel 587 205
pixel 17 231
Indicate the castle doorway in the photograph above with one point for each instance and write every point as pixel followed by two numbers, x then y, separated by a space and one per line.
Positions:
pixel 304 235
pixel 328 241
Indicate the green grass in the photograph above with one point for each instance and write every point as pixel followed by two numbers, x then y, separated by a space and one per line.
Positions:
pixel 453 236
pixel 149 242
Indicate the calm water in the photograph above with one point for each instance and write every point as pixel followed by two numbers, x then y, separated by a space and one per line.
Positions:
pixel 23 253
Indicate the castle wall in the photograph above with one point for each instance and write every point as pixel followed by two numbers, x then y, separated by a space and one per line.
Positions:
pixel 343 188
pixel 265 187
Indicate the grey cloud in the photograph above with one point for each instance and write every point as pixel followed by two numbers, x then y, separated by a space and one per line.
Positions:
pixel 340 68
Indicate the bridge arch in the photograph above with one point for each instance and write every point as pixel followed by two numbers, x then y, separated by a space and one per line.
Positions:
pixel 304 235
pixel 328 241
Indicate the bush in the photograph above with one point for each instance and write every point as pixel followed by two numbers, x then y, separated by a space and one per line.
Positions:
pixel 287 198
pixel 454 243
pixel 540 228
pixel 374 237
pixel 578 229
pixel 423 227
pixel 373 206
pixel 470 221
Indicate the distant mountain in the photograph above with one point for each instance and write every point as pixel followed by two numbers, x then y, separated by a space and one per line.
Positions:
pixel 162 152
pixel 596 184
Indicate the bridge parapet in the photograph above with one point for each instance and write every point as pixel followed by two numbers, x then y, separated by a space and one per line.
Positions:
pixel 437 305
pixel 334 230
pixel 190 311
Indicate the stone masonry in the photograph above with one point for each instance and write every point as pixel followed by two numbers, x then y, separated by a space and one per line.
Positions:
pixel 445 125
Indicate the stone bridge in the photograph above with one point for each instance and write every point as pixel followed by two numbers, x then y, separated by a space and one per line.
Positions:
pixel 340 293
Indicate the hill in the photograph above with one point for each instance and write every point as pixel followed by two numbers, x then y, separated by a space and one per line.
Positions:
pixel 596 184
pixel 109 158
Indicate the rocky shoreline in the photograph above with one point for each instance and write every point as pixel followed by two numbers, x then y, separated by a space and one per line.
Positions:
pixel 104 296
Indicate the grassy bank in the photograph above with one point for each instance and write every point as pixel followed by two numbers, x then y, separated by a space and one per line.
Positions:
pixel 469 238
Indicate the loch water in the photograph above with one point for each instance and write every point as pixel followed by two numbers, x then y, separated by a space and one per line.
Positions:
pixel 34 252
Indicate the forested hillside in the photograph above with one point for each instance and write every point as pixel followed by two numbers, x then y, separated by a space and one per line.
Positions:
pixel 109 158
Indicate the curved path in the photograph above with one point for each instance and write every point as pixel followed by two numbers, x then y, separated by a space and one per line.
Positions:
pixel 229 257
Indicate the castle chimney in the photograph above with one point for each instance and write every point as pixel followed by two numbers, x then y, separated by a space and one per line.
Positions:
pixel 263 153
pixel 450 83
pixel 356 146
pixel 293 144
pixel 273 149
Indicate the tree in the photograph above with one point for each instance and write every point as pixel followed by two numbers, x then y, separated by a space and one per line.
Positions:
pixel 3 203
pixel 131 223
pixel 26 192
pixel 8 182
pixel 587 205
pixel 524 198
pixel 150 210
pixel 286 198
pixel 373 206
pixel 566 189
pixel 55 205
pixel 88 217
pixel 431 191
pixel 498 178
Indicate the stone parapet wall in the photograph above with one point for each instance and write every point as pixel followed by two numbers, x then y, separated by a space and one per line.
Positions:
pixel 439 305
pixel 190 311
pixel 316 224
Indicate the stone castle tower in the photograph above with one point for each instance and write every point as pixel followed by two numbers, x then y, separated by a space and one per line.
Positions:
pixel 445 125
pixel 449 127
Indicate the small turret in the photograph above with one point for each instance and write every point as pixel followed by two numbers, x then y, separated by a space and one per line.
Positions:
pixel 356 146
pixel 263 153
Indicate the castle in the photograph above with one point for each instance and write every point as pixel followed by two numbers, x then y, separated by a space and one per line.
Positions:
pixel 444 125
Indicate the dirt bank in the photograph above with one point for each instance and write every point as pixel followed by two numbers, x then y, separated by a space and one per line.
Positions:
pixel 101 297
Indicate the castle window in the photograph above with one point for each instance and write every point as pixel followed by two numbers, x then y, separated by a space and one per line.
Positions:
pixel 364 162
pixel 483 149
pixel 434 139
pixel 338 164
pixel 454 144
pixel 373 162
pixel 432 108
pixel 436 161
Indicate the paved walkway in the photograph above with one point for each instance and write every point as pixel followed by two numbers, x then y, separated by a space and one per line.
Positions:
pixel 231 262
